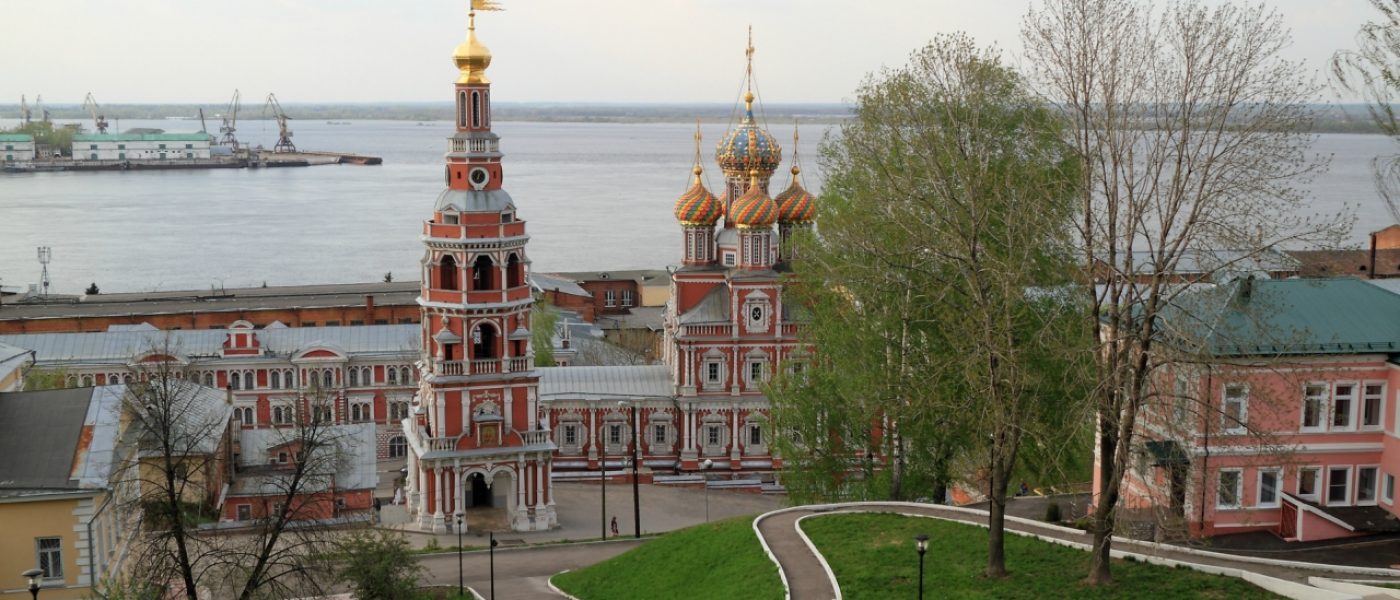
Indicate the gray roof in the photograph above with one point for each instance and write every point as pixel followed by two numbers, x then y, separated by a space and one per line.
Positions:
pixel 605 383
pixel 9 353
pixel 1389 285
pixel 492 201
pixel 123 346
pixel 223 300
pixel 355 468
pixel 1213 260
pixel 637 317
pixel 39 436
pixel 645 277
pixel 547 282
pixel 713 308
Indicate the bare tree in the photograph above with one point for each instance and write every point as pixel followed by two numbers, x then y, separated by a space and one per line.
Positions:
pixel 1191 132
pixel 1372 71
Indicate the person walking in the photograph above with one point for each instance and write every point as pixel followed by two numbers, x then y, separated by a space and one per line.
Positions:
pixel 614 525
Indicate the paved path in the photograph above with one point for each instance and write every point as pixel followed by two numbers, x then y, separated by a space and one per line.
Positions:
pixel 521 573
pixel 808 580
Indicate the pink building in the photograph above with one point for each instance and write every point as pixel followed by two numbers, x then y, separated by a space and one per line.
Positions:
pixel 1280 414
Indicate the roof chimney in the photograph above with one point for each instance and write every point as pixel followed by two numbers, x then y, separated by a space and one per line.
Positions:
pixel 369 308
pixel 228 395
pixel 1371 272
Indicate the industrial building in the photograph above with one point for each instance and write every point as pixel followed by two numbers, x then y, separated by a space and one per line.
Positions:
pixel 17 148
pixel 140 146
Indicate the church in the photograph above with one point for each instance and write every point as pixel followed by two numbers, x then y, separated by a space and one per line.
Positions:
pixel 488 429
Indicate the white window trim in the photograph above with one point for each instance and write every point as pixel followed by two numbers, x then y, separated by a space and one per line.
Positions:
pixel 1356 486
pixel 1388 498
pixel 1239 489
pixel 1243 426
pixel 720 371
pixel 1325 413
pixel 1352 413
pixel 1259 487
pixel 1380 421
pixel 609 298
pixel 1327 486
pixel 1320 482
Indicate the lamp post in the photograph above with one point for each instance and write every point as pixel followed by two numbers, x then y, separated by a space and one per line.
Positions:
pixel 921 544
pixel 461 585
pixel 705 482
pixel 603 478
pixel 636 445
pixel 491 551
pixel 33 576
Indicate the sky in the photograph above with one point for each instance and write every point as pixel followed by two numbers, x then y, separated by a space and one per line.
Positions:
pixel 645 51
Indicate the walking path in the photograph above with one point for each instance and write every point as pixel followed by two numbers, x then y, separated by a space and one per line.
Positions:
pixel 808 577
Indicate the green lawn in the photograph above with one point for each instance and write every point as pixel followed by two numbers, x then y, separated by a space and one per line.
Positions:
pixel 721 560
pixel 873 556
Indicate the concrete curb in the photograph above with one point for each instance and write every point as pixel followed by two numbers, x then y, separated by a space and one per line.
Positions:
pixel 500 549
pixel 1352 587
pixel 555 588
pixel 830 576
pixel 787 590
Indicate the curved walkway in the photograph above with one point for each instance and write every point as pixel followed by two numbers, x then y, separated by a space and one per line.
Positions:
pixel 805 572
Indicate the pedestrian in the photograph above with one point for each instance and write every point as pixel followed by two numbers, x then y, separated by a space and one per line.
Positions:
pixel 614 525
pixel 378 506
pixel 1025 490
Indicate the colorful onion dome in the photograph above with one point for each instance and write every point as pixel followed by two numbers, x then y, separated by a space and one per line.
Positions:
pixel 697 206
pixel 748 147
pixel 472 57
pixel 754 209
pixel 795 204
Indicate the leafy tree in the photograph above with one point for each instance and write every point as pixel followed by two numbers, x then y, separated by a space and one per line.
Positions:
pixel 93 291
pixel 377 564
pixel 1372 71
pixel 389 277
pixel 543 319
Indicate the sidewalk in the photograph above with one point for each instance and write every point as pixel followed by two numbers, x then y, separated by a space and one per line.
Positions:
pixel 579 508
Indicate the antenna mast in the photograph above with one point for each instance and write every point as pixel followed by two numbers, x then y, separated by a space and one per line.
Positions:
pixel 45 255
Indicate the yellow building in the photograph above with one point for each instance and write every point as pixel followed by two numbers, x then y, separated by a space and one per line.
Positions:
pixel 13 363
pixel 56 451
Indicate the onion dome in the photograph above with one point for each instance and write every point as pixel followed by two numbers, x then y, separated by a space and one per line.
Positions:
pixel 748 147
pixel 795 204
pixel 697 206
pixel 472 57
pixel 754 209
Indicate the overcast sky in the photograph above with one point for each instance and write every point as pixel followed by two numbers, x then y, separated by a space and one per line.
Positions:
pixel 545 50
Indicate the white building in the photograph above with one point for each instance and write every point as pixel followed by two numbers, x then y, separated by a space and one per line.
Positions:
pixel 16 148
pixel 140 146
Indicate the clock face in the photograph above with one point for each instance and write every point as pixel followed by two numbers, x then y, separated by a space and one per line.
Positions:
pixel 479 177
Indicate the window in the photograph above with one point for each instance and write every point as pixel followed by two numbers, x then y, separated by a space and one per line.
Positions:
pixel 162 147
pixel 323 414
pixel 189 146
pixel 354 378
pixel 755 435
pixel 94 146
pixel 1344 406
pixel 276 380
pixel 1388 489
pixel 326 379
pixel 1227 489
pixel 1233 409
pixel 282 414
pixel 1371 406
pixel 245 512
pixel 209 379
pixel 756 372
pixel 1268 487
pixel 1314 406
pixel 1366 480
pixel 610 298
pixel 398 447
pixel 50 556
pixel 712 375
pixel 121 156
pixel 1338 486
pixel 658 434
pixel 235 381
pixel 282 457
pixel 93 156
pixel 121 146
pixel 729 259
pixel 627 297
pixel 614 434
pixel 571 435
pixel 359 412
pixel 393 375
pixel 712 435
pixel 189 155
pixel 405 375
pixel 1308 482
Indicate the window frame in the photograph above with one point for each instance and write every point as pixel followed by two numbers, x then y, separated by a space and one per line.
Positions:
pixel 1353 401
pixel 609 298
pixel 1380 406
pixel 1259 502
pixel 1324 411
pixel 1347 492
pixel 40 551
pixel 1243 425
pixel 1375 486
pixel 1387 488
pixel 1318 483
pixel 1239 488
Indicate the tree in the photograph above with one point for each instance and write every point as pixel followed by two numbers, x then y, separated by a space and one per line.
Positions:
pixel 543 320
pixel 1191 134
pixel 92 289
pixel 378 564
pixel 389 277
pixel 1372 71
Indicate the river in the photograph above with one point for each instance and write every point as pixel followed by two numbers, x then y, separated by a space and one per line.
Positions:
pixel 595 196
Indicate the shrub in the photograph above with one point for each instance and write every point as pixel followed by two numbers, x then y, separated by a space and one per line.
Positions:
pixel 377 564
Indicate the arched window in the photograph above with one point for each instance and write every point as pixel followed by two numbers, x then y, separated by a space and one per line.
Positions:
pixel 276 380
pixel 327 381
pixel 398 447
pixel 367 375
pixel 405 377
pixel 483 273
pixel 461 109
pixel 393 375
pixel 483 342
pixel 235 381
pixel 249 381
pixel 127 379
pixel 514 271
pixel 209 379
pixel 447 273
pixel 354 378
pixel 476 109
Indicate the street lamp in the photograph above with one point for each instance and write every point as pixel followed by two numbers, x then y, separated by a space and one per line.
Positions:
pixel 461 586
pixel 636 492
pixel 491 551
pixel 33 576
pixel 705 481
pixel 603 473
pixel 921 543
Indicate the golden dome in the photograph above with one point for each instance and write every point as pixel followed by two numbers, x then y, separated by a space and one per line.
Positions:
pixel 472 57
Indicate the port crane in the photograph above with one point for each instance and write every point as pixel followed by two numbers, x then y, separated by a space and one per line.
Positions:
pixel 202 127
pixel 39 106
pixel 24 109
pixel 284 134
pixel 99 121
pixel 226 137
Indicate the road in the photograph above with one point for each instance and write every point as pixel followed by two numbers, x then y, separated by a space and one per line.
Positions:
pixel 521 573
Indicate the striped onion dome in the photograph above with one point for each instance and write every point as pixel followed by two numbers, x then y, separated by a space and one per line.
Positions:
pixel 748 146
pixel 795 204
pixel 697 206
pixel 754 209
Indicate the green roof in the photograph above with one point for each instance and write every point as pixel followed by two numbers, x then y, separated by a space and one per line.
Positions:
pixel 141 137
pixel 15 137
pixel 1254 317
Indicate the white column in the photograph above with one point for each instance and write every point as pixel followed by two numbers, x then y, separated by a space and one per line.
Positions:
pixel 441 492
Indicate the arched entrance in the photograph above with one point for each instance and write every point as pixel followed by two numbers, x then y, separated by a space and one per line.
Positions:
pixel 481 493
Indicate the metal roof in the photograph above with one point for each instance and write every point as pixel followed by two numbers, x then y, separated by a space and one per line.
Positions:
pixel 644 277
pixel 141 137
pixel 39 436
pixel 605 383
pixel 1287 316
pixel 474 201
pixel 1213 260
pixel 355 468
pixel 224 300
pixel 713 308
pixel 15 137
pixel 547 282
pixel 123 346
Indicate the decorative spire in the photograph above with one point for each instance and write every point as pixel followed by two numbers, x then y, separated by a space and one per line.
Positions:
pixel 698 169
pixel 472 57
pixel 795 204
pixel 748 76
pixel 697 206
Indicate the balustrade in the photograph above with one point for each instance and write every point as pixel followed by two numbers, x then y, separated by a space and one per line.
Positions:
pixel 535 438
